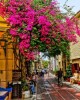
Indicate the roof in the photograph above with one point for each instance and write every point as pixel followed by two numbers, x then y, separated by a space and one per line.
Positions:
pixel 77 15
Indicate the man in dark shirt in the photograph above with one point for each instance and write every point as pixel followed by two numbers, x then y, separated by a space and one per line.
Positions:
pixel 60 74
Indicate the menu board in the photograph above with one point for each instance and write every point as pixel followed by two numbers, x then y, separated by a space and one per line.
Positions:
pixel 16 75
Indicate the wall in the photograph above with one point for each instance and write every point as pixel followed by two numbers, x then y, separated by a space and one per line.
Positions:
pixel 75 48
pixel 6 61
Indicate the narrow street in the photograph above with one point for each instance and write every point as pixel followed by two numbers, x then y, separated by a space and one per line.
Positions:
pixel 47 89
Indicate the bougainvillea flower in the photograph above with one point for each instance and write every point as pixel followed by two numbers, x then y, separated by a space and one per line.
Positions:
pixel 39 26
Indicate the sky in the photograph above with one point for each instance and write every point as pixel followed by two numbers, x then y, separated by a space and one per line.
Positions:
pixel 74 3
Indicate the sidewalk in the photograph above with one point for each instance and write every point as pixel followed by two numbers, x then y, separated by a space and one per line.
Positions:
pixel 75 86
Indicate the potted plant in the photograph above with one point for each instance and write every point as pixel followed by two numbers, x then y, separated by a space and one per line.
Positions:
pixel 25 90
pixel 68 73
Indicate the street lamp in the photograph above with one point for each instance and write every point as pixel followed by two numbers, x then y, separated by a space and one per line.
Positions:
pixel 3 44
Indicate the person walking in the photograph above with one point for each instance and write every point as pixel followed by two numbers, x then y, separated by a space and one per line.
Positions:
pixel 60 75
pixel 32 84
pixel 42 72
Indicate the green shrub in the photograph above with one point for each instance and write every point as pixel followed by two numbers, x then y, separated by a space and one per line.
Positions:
pixel 68 71
pixel 25 88
pixel 24 85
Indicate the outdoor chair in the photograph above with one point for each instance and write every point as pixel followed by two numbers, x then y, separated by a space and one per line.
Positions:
pixel 74 78
pixel 9 90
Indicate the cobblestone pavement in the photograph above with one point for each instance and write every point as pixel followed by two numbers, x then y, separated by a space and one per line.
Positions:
pixel 47 89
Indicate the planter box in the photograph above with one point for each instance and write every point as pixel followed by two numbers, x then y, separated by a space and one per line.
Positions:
pixel 25 94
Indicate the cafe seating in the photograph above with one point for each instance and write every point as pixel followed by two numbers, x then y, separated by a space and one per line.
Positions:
pixel 5 93
pixel 74 78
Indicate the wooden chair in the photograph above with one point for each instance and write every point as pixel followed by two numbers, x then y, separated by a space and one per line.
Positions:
pixel 74 78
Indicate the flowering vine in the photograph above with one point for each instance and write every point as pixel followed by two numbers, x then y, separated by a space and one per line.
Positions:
pixel 39 26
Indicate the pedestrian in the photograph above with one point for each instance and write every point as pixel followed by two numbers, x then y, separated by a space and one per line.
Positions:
pixel 42 72
pixel 60 75
pixel 32 87
pixel 34 78
pixel 36 72
pixel 32 84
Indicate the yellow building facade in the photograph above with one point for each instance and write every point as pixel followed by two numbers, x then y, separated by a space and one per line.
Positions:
pixel 7 58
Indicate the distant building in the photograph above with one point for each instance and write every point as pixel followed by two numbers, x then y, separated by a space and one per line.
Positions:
pixel 53 63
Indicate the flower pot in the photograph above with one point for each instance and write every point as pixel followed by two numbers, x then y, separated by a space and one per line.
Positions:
pixel 25 94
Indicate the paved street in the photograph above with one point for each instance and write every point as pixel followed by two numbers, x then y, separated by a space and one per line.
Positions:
pixel 47 89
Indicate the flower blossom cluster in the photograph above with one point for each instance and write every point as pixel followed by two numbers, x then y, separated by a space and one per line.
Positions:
pixel 38 28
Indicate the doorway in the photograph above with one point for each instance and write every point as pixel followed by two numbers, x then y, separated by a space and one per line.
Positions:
pixel 75 67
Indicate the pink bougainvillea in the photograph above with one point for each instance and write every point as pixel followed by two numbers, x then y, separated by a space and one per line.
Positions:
pixel 2 9
pixel 38 27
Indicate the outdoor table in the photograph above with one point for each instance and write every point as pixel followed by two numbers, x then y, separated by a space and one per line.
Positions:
pixel 3 95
